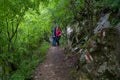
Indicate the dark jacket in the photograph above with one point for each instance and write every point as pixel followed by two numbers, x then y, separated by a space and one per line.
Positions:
pixel 54 32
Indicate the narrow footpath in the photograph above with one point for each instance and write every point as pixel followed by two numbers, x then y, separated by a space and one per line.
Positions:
pixel 55 67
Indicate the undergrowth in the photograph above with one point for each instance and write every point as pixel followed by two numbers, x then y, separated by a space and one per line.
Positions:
pixel 27 65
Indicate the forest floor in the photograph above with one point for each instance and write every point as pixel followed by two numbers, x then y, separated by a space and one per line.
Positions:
pixel 55 67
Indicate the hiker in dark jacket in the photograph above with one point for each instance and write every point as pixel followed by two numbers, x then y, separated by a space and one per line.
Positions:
pixel 54 36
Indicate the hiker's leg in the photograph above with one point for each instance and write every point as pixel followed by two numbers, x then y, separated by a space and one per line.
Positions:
pixel 53 42
pixel 58 41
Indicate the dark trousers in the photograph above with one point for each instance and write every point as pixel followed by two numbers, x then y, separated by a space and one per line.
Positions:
pixel 53 41
pixel 57 40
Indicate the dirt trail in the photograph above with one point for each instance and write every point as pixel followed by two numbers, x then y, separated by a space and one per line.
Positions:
pixel 54 67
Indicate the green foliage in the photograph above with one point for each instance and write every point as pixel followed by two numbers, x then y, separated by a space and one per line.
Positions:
pixel 113 4
pixel 28 62
pixel 22 32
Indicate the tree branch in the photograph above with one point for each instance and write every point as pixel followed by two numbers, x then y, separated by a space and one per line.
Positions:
pixel 13 34
pixel 8 33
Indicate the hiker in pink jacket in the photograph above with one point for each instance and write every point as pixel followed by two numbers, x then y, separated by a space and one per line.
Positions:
pixel 58 35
